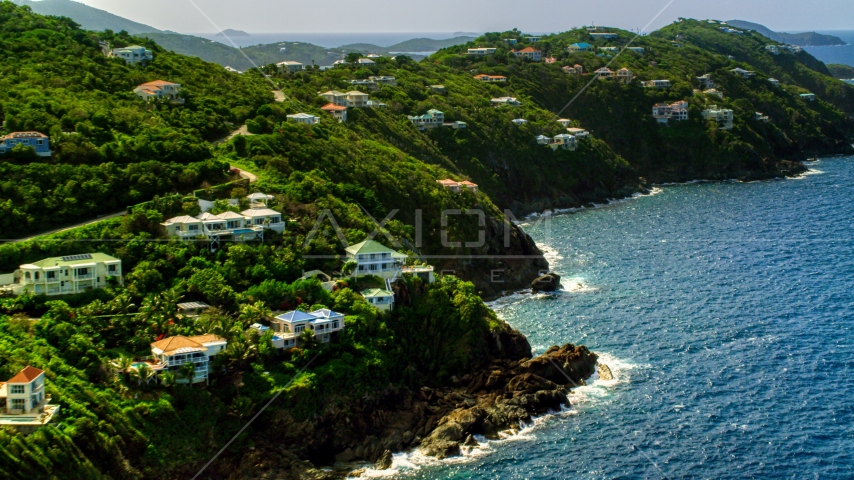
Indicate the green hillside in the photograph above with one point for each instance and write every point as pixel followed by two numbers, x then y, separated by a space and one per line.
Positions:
pixel 841 71
pixel 414 45
pixel 88 17
pixel 803 39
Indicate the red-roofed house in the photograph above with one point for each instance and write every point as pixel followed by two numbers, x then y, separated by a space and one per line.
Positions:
pixel 337 111
pixel 529 53
pixel 23 393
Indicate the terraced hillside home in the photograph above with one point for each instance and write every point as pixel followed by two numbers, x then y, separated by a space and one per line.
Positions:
pixel 529 53
pixel 172 353
pixel 63 275
pixel 383 80
pixel 339 112
pixel 305 118
pixel 664 112
pixel 432 119
pixel 38 142
pixel 625 76
pixel 810 97
pixel 565 142
pixel 574 70
pixel 490 78
pixel 604 73
pixel 661 84
pixel 743 73
pixel 324 323
pixel 289 66
pixel 706 81
pixel 133 54
pixel 578 132
pixel 774 82
pixel 229 226
pixel 723 116
pixel 374 258
pixel 604 35
pixel 23 402
pixel 159 90
pixel 481 51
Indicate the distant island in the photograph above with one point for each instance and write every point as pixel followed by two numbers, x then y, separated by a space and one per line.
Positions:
pixel 804 39
pixel 232 33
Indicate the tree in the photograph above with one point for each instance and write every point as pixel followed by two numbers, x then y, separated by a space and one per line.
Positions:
pixel 307 338
pixel 167 379
pixel 353 57
pixel 188 372
pixel 122 366
pixel 349 267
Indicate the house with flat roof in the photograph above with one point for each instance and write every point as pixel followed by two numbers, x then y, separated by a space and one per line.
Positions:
pixel 530 53
pixel 63 275
pixel 368 84
pixel 580 47
pixel 743 73
pixel 510 41
pixel 38 142
pixel 490 78
pixel 662 84
pixel 305 118
pixel 379 298
pixel 192 309
pixel 24 403
pixel 339 112
pixel 481 51
pixel 365 61
pixel 714 92
pixel 772 49
pixel 374 258
pixel 664 112
pixel 533 39
pixel 565 141
pixel 133 54
pixel 172 353
pixel 383 80
pixel 810 97
pixel 519 121
pixel 723 116
pixel 774 82
pixel 510 101
pixel 159 90
pixel 430 120
pixel 458 125
pixel 438 89
pixel 604 35
pixel 543 140
pixel 578 132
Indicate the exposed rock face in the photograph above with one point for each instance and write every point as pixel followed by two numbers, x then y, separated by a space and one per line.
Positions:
pixel 441 422
pixel 549 282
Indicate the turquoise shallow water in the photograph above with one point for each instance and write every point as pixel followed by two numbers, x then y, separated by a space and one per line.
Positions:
pixel 726 312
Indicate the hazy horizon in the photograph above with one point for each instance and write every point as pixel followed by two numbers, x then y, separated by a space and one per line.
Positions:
pixel 446 16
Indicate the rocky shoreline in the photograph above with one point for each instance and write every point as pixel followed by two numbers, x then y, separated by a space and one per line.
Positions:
pixel 508 391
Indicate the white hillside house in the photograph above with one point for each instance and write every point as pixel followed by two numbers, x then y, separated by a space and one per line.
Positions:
pixel 245 226
pixel 24 403
pixel 723 116
pixel 430 120
pixel 374 258
pixel 289 66
pixel 305 118
pixel 159 90
pixel 290 325
pixel 63 275
pixel 172 353
pixel 133 54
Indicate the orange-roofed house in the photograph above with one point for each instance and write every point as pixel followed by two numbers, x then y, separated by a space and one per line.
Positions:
pixel 530 53
pixel 337 111
pixel 469 186
pixel 159 89
pixel 173 352
pixel 450 185
pixel 23 402
pixel 490 78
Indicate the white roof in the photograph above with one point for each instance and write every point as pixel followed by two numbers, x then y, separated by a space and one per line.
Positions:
pixel 288 62
pixel 259 196
pixel 302 115
pixel 183 219
pixel 208 216
pixel 229 216
pixel 259 212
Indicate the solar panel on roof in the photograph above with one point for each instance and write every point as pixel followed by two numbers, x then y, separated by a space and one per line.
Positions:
pixel 71 258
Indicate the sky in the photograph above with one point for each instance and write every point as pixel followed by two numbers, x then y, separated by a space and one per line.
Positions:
pixel 536 16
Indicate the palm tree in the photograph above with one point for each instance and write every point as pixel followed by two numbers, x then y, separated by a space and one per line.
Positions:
pixel 167 379
pixel 122 365
pixel 240 352
pixel 142 373
pixel 307 338
pixel 188 372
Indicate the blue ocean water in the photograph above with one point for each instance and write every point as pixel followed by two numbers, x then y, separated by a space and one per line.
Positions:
pixel 726 312
pixel 840 54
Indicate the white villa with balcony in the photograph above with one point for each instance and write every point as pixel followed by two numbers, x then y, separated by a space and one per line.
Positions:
pixel 23 402
pixel 374 258
pixel 353 98
pixel 432 119
pixel 172 353
pixel 384 80
pixel 289 66
pixel 133 54
pixel 657 84
pixel 324 322
pixel 159 90
pixel 723 116
pixel 379 298
pixel 305 118
pixel 481 51
pixel 664 112
pixel 227 226
pixel 63 275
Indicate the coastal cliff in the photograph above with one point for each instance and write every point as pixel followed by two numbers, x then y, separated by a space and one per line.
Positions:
pixel 509 390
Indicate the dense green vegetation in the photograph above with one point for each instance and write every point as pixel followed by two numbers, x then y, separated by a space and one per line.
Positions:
pixel 841 71
pixel 88 17
pixel 414 45
pixel 111 149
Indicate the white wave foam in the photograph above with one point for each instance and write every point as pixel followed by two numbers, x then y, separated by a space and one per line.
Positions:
pixel 410 462
pixel 576 285
pixel 655 190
